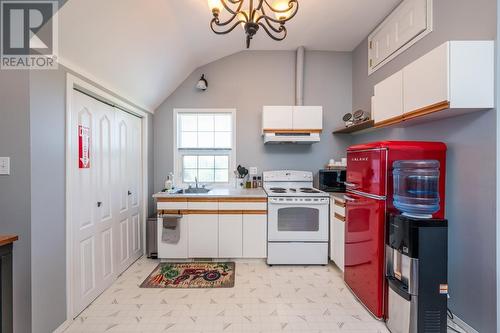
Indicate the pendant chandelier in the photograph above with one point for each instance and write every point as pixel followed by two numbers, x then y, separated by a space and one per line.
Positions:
pixel 253 15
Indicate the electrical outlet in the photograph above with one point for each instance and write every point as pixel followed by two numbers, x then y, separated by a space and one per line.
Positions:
pixel 4 165
pixel 253 171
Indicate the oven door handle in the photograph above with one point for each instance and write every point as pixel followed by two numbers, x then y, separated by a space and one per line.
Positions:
pixel 298 204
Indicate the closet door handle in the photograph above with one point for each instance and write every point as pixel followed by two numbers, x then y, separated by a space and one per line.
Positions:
pixel 129 193
pixel 99 203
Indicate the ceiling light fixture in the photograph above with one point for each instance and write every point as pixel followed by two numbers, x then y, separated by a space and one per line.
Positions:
pixel 253 17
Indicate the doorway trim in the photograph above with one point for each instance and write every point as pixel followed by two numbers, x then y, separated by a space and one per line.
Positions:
pixel 73 82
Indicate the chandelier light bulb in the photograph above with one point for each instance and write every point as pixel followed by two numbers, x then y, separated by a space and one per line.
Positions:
pixel 215 6
pixel 283 10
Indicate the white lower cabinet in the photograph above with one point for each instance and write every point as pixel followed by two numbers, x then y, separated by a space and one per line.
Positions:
pixel 177 250
pixel 229 228
pixel 337 246
pixel 337 231
pixel 230 236
pixel 255 236
pixel 203 235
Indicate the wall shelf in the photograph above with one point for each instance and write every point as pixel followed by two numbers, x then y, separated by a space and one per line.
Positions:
pixel 355 128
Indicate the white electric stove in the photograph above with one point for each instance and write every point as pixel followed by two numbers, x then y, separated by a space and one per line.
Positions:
pixel 297 219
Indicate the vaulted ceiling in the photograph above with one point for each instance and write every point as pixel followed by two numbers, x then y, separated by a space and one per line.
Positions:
pixel 144 49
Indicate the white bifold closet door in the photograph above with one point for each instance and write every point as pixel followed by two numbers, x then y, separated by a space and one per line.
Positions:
pixel 105 198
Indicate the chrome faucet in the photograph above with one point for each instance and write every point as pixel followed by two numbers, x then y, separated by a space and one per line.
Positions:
pixel 196 181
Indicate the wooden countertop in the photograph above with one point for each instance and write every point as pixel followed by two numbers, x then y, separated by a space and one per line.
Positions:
pixel 7 239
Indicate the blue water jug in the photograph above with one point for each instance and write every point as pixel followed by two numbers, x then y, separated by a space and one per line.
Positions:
pixel 416 187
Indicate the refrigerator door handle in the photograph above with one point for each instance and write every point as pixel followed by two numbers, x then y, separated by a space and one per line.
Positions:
pixel 348 198
pixel 350 184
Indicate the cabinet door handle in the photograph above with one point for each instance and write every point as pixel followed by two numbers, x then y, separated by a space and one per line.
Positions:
pixel 129 193
pixel 99 203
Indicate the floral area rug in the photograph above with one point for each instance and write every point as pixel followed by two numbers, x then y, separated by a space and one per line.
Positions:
pixel 191 275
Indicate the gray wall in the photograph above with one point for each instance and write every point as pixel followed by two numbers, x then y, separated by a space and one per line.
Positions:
pixel 247 81
pixel 470 203
pixel 15 189
pixel 48 176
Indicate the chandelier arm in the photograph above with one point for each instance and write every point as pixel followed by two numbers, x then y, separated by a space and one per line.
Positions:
pixel 220 24
pixel 223 2
pixel 280 11
pixel 225 31
pixel 269 33
pixel 291 3
pixel 259 6
pixel 271 26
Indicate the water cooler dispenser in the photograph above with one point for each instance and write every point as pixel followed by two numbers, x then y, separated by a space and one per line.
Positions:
pixel 416 252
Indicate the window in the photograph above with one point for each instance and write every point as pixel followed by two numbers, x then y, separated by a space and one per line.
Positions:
pixel 204 145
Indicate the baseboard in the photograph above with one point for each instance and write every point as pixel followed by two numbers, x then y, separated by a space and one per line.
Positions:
pixel 63 326
pixel 463 325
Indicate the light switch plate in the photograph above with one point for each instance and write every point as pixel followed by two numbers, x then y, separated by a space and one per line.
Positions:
pixel 253 170
pixel 4 165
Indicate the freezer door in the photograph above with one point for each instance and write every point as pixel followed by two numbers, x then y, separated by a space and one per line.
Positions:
pixel 367 170
pixel 364 251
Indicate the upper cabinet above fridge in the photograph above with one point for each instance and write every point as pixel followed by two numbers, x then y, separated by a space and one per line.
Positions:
pixel 408 23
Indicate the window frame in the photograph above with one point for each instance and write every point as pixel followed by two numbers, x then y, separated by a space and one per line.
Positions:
pixel 180 152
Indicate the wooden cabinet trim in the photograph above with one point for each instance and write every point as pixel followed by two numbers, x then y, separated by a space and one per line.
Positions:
pixel 433 108
pixel 284 131
pixel 436 107
pixel 255 212
pixel 339 217
pixel 339 203
pixel 7 239
pixel 388 122
pixel 243 199
pixel 175 199
pixel 210 212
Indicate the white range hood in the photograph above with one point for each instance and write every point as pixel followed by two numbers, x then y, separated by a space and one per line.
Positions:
pixel 293 124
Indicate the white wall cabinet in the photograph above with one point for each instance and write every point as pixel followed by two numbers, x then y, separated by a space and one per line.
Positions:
pixel 457 76
pixel 277 117
pixel 203 235
pixel 292 117
pixel 337 231
pixel 458 72
pixel 307 117
pixel 255 235
pixel 388 100
pixel 409 22
pixel 230 235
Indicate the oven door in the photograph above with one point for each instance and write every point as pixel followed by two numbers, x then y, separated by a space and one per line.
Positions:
pixel 305 221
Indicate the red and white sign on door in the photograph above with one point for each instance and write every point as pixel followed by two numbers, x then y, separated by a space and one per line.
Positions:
pixel 83 147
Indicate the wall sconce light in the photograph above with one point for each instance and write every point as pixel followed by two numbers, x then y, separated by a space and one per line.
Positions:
pixel 202 83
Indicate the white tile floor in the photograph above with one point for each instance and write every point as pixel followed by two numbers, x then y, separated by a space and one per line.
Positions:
pixel 264 299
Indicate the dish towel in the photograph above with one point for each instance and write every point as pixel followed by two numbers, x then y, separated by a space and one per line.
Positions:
pixel 171 231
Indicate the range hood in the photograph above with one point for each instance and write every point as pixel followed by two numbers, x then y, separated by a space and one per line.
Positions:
pixel 298 138
pixel 294 123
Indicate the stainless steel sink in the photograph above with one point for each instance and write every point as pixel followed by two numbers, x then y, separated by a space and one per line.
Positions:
pixel 192 190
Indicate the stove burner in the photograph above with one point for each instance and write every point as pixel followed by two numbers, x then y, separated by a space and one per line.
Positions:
pixel 309 190
pixel 277 189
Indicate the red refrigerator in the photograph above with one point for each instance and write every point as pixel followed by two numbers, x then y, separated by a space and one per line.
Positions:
pixel 368 203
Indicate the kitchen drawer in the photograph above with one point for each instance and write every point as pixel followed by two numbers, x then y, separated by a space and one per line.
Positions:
pixel 224 205
pixel 339 210
pixel 203 205
pixel 172 205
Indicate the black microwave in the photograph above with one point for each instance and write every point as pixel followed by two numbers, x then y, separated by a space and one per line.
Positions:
pixel 332 180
